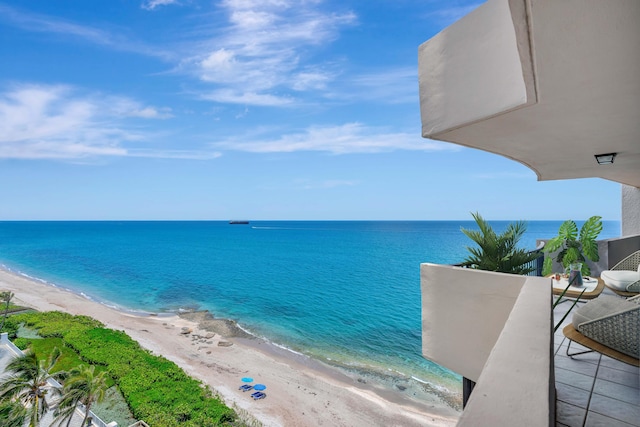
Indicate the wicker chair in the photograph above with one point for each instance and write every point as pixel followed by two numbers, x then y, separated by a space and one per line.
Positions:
pixel 624 277
pixel 608 325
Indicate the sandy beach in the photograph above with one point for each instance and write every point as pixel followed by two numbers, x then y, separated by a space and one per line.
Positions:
pixel 300 391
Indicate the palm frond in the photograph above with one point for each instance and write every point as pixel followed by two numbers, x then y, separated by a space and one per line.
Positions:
pixel 27 383
pixel 498 252
pixel 13 414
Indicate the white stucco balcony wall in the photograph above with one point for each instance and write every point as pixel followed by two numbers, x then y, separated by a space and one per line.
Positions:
pixel 495 329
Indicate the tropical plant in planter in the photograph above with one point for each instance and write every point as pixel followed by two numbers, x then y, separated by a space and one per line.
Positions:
pixel 574 247
pixel 498 252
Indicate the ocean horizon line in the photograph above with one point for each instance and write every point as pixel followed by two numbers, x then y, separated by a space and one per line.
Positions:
pixel 298 220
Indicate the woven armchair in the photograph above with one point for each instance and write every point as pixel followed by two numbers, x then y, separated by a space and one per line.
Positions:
pixel 609 325
pixel 624 277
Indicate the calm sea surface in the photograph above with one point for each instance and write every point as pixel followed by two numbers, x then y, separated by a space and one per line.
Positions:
pixel 343 292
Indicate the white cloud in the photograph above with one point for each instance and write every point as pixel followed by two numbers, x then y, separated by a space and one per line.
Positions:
pixel 231 96
pixel 348 138
pixel 310 79
pixel 152 113
pixel 57 122
pixel 43 23
pixel 41 122
pixel 264 50
pixel 152 4
pixel 126 107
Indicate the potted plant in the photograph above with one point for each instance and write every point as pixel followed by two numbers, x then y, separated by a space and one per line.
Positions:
pixel 498 252
pixel 574 248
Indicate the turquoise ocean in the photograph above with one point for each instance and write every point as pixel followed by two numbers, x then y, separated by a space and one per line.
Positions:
pixel 346 293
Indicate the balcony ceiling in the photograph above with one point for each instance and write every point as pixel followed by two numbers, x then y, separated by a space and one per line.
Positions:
pixel 546 83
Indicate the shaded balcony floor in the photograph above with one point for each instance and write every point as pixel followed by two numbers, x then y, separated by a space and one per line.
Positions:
pixel 593 390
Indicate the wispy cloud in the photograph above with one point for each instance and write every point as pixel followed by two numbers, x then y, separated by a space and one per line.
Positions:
pixel 347 138
pixel 127 107
pixel 49 24
pixel 58 122
pixel 392 86
pixel 261 52
pixel 152 4
pixel 236 96
pixel 174 154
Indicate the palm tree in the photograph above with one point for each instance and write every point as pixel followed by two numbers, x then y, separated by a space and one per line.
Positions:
pixel 28 384
pixel 6 296
pixel 84 387
pixel 498 252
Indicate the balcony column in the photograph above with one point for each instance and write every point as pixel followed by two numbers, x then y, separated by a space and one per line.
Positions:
pixel 630 210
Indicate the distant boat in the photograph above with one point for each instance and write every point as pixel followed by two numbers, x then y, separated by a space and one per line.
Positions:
pixel 236 221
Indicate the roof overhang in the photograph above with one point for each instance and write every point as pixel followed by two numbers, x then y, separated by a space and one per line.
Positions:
pixel 549 84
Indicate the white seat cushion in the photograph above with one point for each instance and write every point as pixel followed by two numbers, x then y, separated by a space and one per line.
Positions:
pixel 619 279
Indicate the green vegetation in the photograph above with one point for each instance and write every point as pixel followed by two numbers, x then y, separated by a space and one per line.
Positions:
pixel 27 384
pixel 5 297
pixel 573 248
pixel 156 390
pixel 12 413
pixel 83 386
pixel 498 252
pixel 68 360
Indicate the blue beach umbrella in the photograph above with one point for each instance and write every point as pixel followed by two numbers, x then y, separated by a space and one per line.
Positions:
pixel 259 387
pixel 247 380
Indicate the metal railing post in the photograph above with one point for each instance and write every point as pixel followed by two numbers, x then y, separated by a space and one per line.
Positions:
pixel 467 388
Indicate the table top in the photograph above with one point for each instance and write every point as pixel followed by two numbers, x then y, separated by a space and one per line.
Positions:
pixel 592 287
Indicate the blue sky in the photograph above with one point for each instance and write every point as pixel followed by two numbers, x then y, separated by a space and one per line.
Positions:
pixel 252 109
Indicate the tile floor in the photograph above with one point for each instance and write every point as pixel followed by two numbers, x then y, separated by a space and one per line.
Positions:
pixel 591 389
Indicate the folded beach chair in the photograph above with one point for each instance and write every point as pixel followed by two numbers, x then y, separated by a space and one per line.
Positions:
pixel 608 325
pixel 245 387
pixel 624 277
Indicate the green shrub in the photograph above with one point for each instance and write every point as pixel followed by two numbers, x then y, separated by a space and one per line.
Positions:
pixel 22 343
pixel 155 389
pixel 55 323
pixel 11 327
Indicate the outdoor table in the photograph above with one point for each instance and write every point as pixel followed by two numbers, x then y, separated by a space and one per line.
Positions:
pixel 592 287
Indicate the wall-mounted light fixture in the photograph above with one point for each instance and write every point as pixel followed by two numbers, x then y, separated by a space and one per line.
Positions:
pixel 605 159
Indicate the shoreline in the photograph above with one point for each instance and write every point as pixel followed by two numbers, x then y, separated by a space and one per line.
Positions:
pixel 301 390
pixel 231 329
